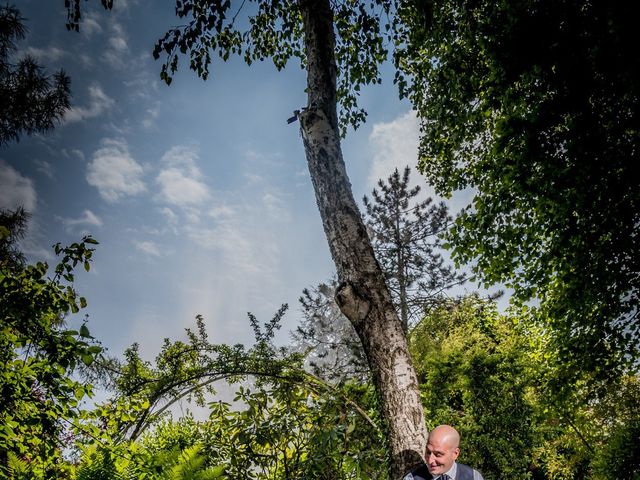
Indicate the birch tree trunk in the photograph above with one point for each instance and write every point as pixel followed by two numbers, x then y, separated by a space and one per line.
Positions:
pixel 362 295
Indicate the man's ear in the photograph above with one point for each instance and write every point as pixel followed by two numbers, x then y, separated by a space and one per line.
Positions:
pixel 456 452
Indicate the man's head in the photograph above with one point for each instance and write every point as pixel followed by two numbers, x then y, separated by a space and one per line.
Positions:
pixel 442 449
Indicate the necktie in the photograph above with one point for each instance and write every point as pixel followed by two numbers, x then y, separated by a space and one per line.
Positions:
pixel 445 477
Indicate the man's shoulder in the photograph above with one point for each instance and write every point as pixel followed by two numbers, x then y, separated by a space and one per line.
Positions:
pixel 465 472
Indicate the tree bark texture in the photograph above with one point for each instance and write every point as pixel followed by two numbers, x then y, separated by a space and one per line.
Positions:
pixel 362 295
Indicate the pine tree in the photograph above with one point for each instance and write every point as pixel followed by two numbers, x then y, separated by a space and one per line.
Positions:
pixel 30 100
pixel 404 232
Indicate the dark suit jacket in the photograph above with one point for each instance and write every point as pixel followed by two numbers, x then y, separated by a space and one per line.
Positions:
pixel 463 472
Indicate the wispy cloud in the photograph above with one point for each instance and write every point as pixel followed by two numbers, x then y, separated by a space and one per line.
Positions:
pixel 45 168
pixel 90 25
pixel 75 153
pixel 180 181
pixel 151 116
pixel 85 60
pixel 169 214
pixel 148 247
pixel 239 245
pixel 99 102
pixel 49 54
pixel 276 206
pixel 16 190
pixel 87 219
pixel 114 172
pixel 252 178
pixel 221 211
pixel 116 53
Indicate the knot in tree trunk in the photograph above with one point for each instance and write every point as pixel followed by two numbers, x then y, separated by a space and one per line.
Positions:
pixel 354 305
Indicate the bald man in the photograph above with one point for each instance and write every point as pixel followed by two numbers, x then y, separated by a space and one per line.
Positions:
pixel 443 448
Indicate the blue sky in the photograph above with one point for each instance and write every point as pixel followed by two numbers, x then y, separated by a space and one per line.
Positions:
pixel 198 193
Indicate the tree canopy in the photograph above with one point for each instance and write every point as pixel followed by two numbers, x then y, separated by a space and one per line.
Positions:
pixel 488 373
pixel 536 105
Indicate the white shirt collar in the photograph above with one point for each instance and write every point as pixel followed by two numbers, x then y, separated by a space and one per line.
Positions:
pixel 451 472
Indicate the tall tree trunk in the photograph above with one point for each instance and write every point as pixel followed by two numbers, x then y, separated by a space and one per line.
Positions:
pixel 362 294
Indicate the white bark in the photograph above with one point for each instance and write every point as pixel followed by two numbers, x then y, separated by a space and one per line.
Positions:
pixel 362 295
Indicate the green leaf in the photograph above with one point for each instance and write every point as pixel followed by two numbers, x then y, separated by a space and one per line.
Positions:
pixel 79 392
pixel 84 331
pixel 87 359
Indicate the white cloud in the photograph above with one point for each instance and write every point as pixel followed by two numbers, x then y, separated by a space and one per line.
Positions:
pixel 118 43
pixel 152 115
pixel 221 211
pixel 181 190
pixel 88 219
pixel 395 145
pixel 169 215
pixel 180 182
pixel 114 172
pixel 148 247
pixel 45 168
pixel 89 25
pixel 182 156
pixel 46 54
pixel 78 153
pixel 171 222
pixel 99 102
pixel 116 54
pixel 15 189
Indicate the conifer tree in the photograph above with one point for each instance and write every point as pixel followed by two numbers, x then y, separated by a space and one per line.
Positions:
pixel 30 100
pixel 405 234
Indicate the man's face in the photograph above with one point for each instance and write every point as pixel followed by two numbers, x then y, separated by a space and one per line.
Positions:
pixel 440 455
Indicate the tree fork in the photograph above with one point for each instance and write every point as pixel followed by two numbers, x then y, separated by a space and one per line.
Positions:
pixel 363 296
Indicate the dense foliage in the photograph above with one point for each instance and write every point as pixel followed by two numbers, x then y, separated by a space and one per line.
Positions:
pixel 38 357
pixel 535 104
pixel 283 422
pixel 494 376
pixel 473 366
pixel 13 227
